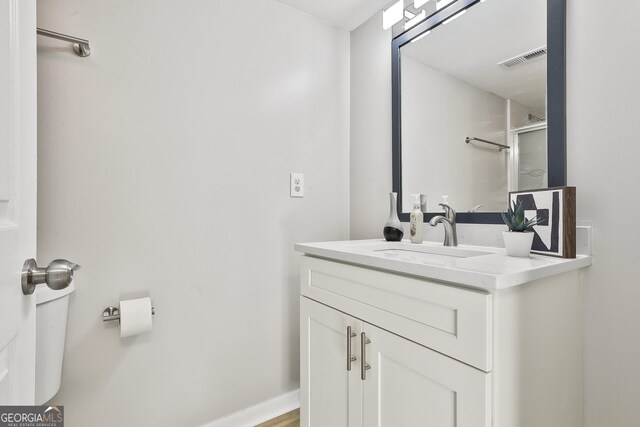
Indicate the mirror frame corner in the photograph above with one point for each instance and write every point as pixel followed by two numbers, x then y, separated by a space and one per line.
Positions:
pixel 556 103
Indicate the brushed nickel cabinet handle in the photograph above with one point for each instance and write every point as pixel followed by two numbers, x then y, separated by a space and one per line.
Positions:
pixel 350 358
pixel 364 366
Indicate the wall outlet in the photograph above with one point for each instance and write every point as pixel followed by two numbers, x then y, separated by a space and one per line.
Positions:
pixel 297 185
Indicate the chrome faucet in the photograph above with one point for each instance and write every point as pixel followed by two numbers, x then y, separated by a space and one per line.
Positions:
pixel 449 223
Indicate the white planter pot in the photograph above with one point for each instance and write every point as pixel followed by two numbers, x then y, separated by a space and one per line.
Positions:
pixel 518 243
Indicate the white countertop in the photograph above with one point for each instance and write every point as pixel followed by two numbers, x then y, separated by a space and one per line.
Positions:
pixel 479 267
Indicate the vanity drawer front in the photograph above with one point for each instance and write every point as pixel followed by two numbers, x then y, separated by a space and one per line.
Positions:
pixel 448 319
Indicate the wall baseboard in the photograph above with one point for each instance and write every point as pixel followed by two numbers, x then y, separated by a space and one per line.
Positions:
pixel 261 412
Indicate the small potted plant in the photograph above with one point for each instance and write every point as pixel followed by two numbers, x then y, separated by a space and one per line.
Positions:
pixel 518 240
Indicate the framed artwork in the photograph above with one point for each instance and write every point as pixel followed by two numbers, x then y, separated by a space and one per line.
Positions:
pixel 555 233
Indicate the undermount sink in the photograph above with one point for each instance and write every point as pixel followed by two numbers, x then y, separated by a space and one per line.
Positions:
pixel 421 253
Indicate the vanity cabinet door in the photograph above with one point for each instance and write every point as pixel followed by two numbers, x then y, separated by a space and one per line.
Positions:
pixel 410 385
pixel 330 395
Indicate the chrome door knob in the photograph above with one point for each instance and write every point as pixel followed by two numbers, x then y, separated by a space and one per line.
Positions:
pixel 57 275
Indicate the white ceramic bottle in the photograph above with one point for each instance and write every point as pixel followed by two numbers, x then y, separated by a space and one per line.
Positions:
pixel 415 221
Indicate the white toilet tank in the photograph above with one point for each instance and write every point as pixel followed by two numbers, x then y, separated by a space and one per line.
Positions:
pixel 51 327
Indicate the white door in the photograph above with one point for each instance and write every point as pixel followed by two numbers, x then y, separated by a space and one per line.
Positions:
pixel 17 197
pixel 411 385
pixel 330 394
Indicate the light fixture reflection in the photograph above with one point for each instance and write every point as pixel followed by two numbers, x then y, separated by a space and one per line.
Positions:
pixel 442 3
pixel 421 36
pixel 456 16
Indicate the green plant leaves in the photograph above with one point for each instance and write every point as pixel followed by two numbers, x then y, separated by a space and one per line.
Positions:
pixel 516 221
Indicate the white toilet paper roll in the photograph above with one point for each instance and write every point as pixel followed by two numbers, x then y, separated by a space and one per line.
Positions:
pixel 135 316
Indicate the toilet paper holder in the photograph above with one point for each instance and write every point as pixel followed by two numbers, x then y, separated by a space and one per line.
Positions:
pixel 113 313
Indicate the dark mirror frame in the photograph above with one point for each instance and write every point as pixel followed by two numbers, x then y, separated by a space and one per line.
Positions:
pixel 556 103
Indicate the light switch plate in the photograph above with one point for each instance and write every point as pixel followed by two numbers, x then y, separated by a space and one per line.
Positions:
pixel 297 185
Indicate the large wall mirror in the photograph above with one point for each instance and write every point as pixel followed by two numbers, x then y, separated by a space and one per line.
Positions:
pixel 479 105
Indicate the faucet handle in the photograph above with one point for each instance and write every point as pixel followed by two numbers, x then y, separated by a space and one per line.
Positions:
pixel 449 212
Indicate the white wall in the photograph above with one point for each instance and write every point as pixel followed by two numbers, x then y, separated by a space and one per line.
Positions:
pixel 164 163
pixel 603 103
pixel 603 99
pixel 438 112
pixel 370 147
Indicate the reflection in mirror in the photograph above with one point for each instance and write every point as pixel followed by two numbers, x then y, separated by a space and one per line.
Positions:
pixel 481 76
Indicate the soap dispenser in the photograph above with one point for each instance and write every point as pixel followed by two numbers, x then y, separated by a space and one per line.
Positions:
pixel 415 220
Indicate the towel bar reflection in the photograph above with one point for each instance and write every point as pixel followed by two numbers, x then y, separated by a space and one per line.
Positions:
pixel 500 146
pixel 113 313
pixel 80 46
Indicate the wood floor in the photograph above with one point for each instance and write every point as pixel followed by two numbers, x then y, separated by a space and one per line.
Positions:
pixel 290 419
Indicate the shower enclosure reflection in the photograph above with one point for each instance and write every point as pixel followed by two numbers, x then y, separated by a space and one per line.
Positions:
pixel 530 157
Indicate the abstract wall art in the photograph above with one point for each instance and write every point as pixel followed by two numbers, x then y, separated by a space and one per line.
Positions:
pixel 555 233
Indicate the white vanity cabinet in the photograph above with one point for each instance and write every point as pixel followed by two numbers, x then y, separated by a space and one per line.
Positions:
pixel 405 384
pixel 425 352
pixel 411 385
pixel 332 392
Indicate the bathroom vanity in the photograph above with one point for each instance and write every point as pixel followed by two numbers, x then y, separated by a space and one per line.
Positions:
pixel 401 334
